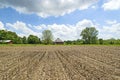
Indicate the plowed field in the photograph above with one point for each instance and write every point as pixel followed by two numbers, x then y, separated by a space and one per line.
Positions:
pixel 60 63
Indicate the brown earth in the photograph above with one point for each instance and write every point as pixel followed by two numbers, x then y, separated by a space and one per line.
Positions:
pixel 60 63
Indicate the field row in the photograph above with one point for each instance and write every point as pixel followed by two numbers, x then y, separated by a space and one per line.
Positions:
pixel 60 63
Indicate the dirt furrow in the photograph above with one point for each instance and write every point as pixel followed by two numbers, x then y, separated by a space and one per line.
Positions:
pixel 50 68
pixel 69 68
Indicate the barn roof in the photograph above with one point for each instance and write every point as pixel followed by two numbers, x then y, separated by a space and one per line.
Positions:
pixel 58 40
pixel 5 40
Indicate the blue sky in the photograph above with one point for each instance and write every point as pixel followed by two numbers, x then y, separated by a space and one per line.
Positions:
pixel 65 18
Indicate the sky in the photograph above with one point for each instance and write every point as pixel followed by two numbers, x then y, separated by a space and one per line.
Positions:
pixel 65 18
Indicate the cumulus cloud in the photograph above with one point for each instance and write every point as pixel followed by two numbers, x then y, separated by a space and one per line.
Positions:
pixel 21 29
pixel 113 27
pixel 111 30
pixel 111 5
pixel 63 31
pixel 46 8
pixel 111 22
pixel 1 26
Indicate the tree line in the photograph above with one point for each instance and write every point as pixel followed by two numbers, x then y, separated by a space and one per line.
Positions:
pixel 89 36
pixel 47 38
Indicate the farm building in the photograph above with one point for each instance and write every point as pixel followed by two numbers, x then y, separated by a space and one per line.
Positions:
pixel 6 41
pixel 58 41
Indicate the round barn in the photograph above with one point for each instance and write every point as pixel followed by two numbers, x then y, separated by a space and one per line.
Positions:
pixel 58 41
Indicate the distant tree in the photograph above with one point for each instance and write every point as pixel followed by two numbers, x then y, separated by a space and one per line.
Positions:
pixel 33 39
pixel 18 40
pixel 79 41
pixel 68 42
pixel 100 41
pixel 24 40
pixel 12 36
pixel 40 41
pixel 111 41
pixel 118 41
pixel 89 35
pixel 73 42
pixel 47 37
pixel 2 33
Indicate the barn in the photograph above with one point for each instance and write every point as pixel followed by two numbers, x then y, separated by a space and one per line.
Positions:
pixel 58 41
pixel 6 41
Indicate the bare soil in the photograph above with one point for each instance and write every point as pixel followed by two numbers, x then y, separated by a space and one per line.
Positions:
pixel 60 63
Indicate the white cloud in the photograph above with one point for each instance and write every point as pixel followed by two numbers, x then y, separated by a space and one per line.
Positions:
pixel 85 23
pixel 111 5
pixel 46 8
pixel 115 28
pixel 21 29
pixel 63 31
pixel 111 30
pixel 111 22
pixel 93 7
pixel 40 27
pixel 1 26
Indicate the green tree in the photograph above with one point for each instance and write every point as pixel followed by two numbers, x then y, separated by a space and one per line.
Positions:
pixel 47 37
pixel 24 40
pixel 12 36
pixel 68 42
pixel 2 34
pixel 18 40
pixel 111 41
pixel 100 41
pixel 33 39
pixel 40 41
pixel 118 41
pixel 79 41
pixel 89 35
